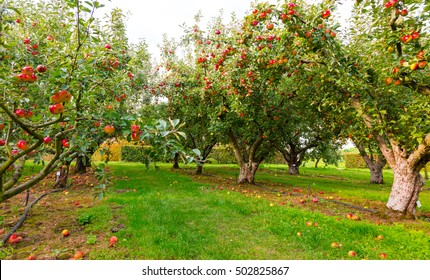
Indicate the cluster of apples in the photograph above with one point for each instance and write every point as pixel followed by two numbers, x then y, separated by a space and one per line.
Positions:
pixel 27 73
pixel 58 99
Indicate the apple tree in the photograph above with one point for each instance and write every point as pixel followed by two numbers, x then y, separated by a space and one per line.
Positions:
pixel 381 73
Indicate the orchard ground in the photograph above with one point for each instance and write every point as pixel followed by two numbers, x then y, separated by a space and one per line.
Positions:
pixel 168 214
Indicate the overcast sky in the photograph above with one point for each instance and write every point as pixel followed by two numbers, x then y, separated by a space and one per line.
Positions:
pixel 150 19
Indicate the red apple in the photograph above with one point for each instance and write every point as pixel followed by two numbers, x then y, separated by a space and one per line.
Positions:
pixel 65 233
pixel 383 255
pixel 415 35
pixel 291 6
pixel 420 55
pixel 2 142
pixel 336 245
pixel 112 241
pixel 27 70
pixel 422 63
pixel 78 255
pixel 326 14
pixel 26 41
pixel 217 32
pixel 108 46
pixel 352 254
pixel 41 68
pixel 404 12
pixel 56 108
pixel 109 129
pixel 49 38
pixel 1 126
pixel 405 39
pixel 61 96
pixel 135 128
pixel 315 200
pixel 388 80
pixel 291 12
pixel 13 239
pixel 18 20
pixel 31 257
pixel 284 17
pixel 270 26
pixel 65 143
pixel 47 140
pixel 97 124
pixel 76 203
pixel 22 145
pixel 414 66
pixel 263 15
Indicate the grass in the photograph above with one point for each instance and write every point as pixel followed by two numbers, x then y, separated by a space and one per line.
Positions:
pixel 170 216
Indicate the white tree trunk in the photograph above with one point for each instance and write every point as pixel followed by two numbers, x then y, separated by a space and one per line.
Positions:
pixel 247 172
pixel 406 188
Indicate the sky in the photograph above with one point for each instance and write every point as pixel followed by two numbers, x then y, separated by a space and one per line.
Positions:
pixel 150 19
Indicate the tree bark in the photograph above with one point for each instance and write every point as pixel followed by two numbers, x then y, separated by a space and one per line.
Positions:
pixel 406 188
pixel 62 177
pixel 374 163
pixel 293 168
pixel 176 161
pixel 199 169
pixel 82 162
pixel 316 163
pixel 247 172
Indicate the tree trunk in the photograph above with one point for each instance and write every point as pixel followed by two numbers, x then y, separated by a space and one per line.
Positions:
pixel 82 162
pixel 376 175
pixel 247 172
pixel 293 168
pixel 406 188
pixel 316 163
pixel 199 169
pixel 62 177
pixel 176 161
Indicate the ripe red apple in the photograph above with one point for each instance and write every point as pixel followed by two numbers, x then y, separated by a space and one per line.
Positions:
pixel 56 108
pixel 420 54
pixel 332 34
pixel 284 17
pixel 26 41
pixel 65 233
pixel 109 129
pixel 47 140
pixel 415 35
pixel 388 80
pixel 108 46
pixel 405 39
pixel 422 63
pixel 61 96
pixel 291 12
pixel 270 26
pixel 76 203
pixel 414 66
pixel 217 32
pixel 1 126
pixel 112 241
pixel 49 38
pixel 78 255
pixel 349 215
pixel 291 6
pixel 352 254
pixel 65 143
pixel 97 124
pixel 263 15
pixel 18 20
pixel 315 200
pixel 27 70
pixel 326 14
pixel 41 68
pixel 404 12
pixel 309 223
pixel 31 257
pixel 2 142
pixel 383 255
pixel 13 239
pixel 135 128
pixel 22 145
